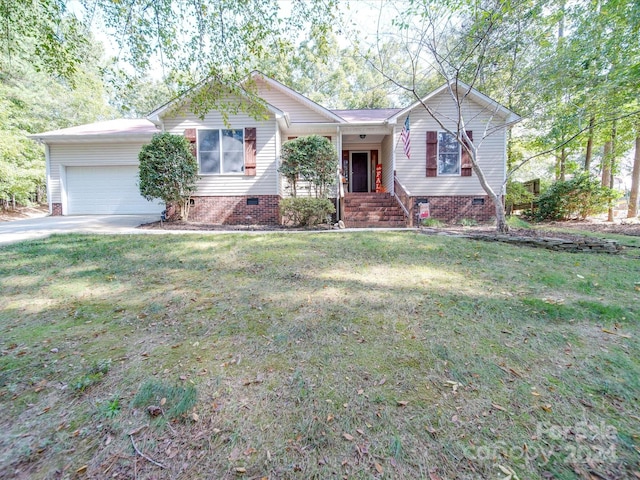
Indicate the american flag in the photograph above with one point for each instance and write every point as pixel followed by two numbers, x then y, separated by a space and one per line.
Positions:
pixel 406 140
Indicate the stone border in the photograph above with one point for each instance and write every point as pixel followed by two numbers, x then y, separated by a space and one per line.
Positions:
pixel 588 245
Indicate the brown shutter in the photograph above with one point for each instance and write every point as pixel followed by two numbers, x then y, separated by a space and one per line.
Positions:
pixel 250 151
pixel 466 167
pixel 190 135
pixel 432 154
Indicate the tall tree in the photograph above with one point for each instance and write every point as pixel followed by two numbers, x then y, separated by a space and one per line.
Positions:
pixel 632 211
pixel 34 99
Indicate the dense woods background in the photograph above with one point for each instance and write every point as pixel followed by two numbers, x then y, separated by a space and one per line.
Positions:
pixel 571 69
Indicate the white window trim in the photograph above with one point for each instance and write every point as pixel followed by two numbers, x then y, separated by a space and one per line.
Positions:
pixel 219 130
pixel 438 158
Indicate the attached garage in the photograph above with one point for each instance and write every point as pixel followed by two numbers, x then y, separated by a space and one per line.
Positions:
pixel 93 169
pixel 106 190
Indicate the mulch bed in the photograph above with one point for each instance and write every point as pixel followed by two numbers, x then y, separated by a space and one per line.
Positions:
pixel 631 228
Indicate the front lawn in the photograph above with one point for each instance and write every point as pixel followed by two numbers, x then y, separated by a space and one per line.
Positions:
pixel 316 355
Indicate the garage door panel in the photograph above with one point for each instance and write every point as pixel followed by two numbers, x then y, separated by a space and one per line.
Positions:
pixel 106 190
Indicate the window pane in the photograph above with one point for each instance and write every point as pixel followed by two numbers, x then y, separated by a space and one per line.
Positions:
pixel 208 140
pixel 448 164
pixel 447 143
pixel 232 140
pixel 209 162
pixel 448 154
pixel 233 162
pixel 232 151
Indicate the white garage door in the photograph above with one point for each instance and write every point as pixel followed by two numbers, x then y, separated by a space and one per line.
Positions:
pixel 106 191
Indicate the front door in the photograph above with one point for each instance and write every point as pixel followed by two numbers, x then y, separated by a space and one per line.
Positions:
pixel 360 172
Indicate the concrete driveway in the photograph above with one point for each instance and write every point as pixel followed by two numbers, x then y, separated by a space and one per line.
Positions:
pixel 32 228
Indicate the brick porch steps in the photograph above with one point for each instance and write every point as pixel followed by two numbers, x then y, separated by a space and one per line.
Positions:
pixel 362 210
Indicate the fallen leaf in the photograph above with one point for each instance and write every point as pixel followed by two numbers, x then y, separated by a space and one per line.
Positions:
pixel 434 476
pixel 382 382
pixel 163 401
pixel 329 418
pixel 379 468
pixel 498 407
pixel 241 470
pixel 402 403
pixel 81 470
pixel 195 417
pixel 546 408
pixel 347 436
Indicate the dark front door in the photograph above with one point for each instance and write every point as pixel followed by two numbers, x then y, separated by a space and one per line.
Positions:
pixel 359 172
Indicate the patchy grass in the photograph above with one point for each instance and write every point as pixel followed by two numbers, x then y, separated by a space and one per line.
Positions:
pixel 356 355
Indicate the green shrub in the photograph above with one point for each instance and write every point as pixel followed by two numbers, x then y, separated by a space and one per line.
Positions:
pixel 517 194
pixel 579 197
pixel 303 211
pixel 468 222
pixel 432 222
pixel 312 159
pixel 168 171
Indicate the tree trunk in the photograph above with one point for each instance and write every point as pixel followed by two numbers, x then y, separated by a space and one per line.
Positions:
pixel 501 218
pixel 612 167
pixel 588 154
pixel 557 168
pixel 563 164
pixel 606 165
pixel 632 212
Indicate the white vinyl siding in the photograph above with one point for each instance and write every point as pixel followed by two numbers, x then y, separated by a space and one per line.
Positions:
pixel 491 158
pixel 265 180
pixel 297 110
pixel 106 190
pixel 87 154
pixel 387 162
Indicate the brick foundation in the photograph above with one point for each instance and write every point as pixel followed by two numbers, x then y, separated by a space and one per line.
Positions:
pixel 455 208
pixel 56 209
pixel 235 210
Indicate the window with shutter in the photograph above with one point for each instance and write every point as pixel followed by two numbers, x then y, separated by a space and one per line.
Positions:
pixel 221 151
pixel 446 157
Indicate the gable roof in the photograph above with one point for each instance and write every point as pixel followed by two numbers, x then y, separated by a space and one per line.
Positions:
pixel 463 88
pixel 156 114
pixel 330 115
pixel 121 128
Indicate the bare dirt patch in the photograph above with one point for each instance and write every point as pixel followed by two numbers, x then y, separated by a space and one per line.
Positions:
pixel 23 212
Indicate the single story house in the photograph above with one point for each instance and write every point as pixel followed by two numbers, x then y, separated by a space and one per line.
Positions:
pixel 395 164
